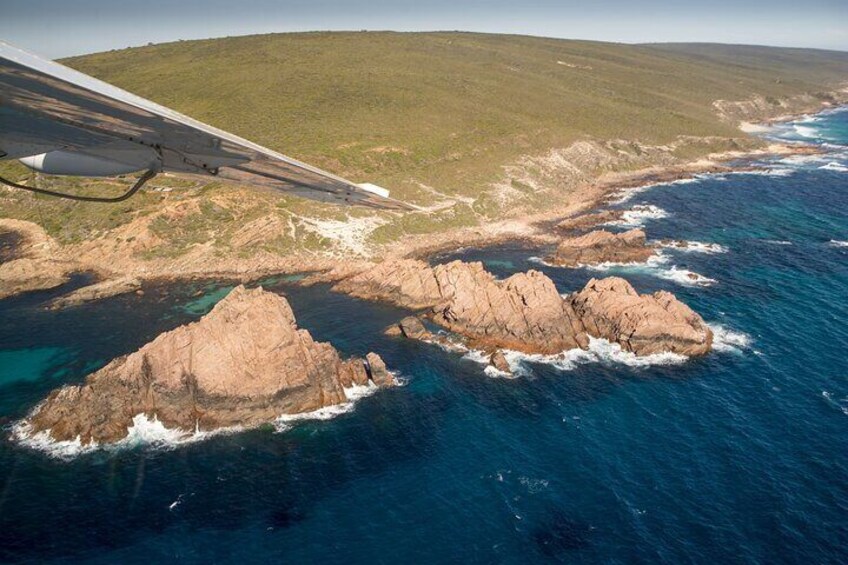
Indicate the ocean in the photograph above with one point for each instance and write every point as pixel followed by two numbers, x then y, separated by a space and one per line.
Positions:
pixel 740 456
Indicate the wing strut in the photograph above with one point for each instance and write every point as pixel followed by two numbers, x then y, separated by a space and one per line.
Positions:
pixel 138 184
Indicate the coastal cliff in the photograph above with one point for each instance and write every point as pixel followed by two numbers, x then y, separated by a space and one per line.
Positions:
pixel 243 364
pixel 526 312
pixel 33 265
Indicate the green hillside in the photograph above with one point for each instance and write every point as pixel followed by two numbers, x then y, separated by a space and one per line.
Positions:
pixel 451 108
pixel 435 117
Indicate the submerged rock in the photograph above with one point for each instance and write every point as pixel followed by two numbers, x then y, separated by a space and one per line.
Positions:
pixel 526 312
pixel 602 246
pixel 243 364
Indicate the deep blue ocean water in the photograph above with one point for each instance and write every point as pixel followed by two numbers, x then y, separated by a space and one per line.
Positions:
pixel 737 457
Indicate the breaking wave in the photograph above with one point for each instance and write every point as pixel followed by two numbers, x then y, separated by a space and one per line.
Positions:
pixel 638 215
pixel 151 433
pixel 625 194
pixel 657 266
pixel 600 351
pixel 144 431
pixel 838 243
pixel 834 166
pixel 726 340
pixel 353 394
pixel 695 247
pixel 841 404
pixel 806 131
pixel 685 277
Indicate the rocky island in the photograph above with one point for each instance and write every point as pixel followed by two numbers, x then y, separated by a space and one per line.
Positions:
pixel 243 364
pixel 526 312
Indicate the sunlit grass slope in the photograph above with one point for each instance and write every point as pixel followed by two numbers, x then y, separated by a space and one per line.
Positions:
pixel 450 108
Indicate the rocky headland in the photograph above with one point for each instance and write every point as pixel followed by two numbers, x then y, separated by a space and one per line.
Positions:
pixel 601 246
pixel 245 363
pixel 526 312
pixel 32 265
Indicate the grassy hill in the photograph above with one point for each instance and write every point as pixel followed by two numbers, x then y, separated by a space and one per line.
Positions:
pixel 442 106
pixel 450 110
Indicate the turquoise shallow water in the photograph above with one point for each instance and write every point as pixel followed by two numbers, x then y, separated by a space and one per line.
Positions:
pixel 737 457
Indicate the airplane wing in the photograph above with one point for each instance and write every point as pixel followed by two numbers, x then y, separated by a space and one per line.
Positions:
pixel 63 121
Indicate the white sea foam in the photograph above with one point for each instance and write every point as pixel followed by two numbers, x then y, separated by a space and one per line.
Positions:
pixel 726 340
pixel 151 433
pixel 842 404
pixel 695 247
pixel 540 261
pixel 638 215
pixel 656 265
pixel 625 194
pixel 143 431
pixel 685 277
pixel 834 166
pixel 806 131
pixel 838 243
pixel 600 351
pixel 777 242
pixel 353 394
pixel 41 441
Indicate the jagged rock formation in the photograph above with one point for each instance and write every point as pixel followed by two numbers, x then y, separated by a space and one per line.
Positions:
pixel 602 246
pixel 243 364
pixel 525 312
pixel 644 324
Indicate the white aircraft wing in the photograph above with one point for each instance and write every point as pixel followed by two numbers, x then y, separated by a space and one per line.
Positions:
pixel 62 121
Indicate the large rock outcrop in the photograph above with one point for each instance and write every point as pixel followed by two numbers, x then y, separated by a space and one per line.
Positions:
pixel 601 246
pixel 525 312
pixel 243 364
pixel 642 323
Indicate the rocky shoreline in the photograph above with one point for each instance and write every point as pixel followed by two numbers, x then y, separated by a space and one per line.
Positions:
pixel 246 363
pixel 50 265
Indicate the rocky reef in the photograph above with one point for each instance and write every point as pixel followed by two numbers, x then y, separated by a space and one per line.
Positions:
pixel 601 246
pixel 526 312
pixel 243 364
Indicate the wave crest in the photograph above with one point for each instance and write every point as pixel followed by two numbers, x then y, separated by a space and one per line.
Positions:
pixel 600 351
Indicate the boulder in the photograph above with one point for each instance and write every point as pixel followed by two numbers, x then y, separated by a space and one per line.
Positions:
pixel 377 370
pixel 499 362
pixel 412 328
